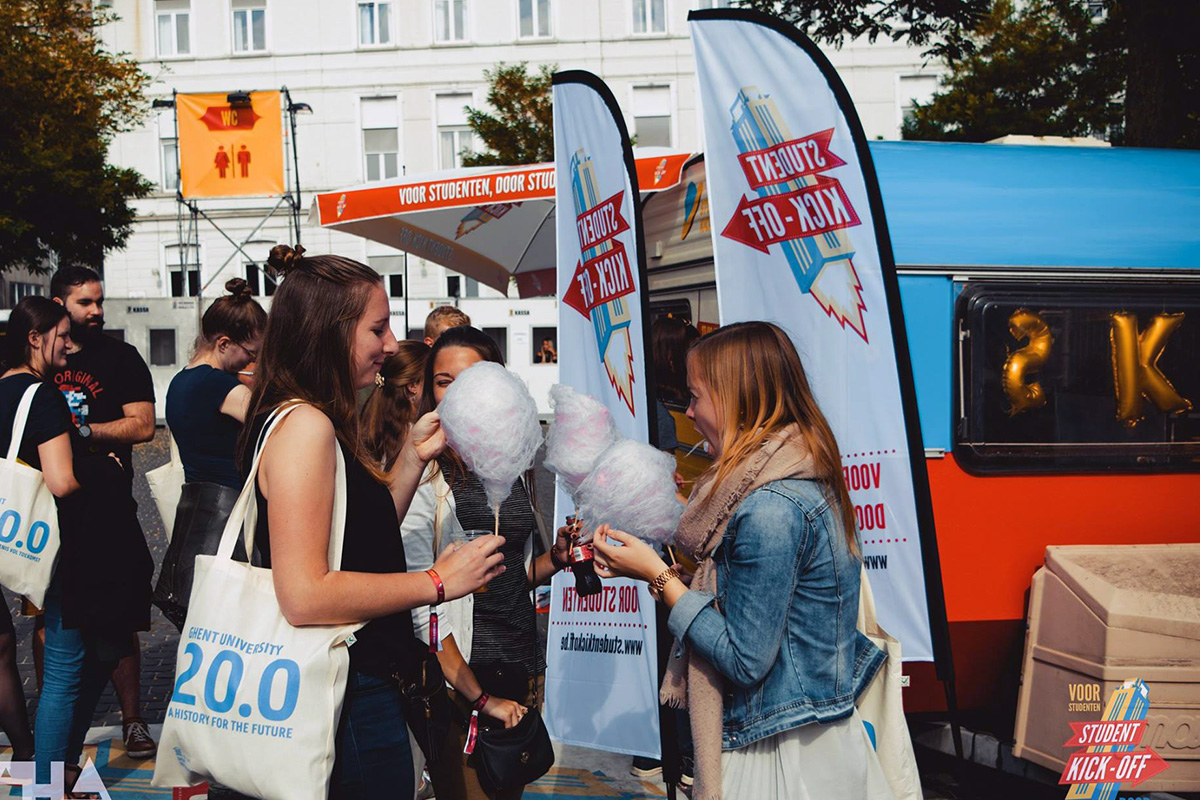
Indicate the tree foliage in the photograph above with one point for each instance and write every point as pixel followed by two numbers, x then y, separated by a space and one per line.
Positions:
pixel 63 99
pixel 1044 69
pixel 942 27
pixel 520 131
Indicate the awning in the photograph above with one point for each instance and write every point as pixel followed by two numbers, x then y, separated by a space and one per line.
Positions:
pixel 451 217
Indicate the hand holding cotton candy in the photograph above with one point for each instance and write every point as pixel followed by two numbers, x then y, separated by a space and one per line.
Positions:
pixel 582 430
pixel 632 488
pixel 491 421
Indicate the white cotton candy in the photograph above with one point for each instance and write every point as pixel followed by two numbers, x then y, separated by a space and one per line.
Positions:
pixel 582 430
pixel 491 421
pixel 632 488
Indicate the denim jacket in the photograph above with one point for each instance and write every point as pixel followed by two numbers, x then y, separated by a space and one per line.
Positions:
pixel 783 630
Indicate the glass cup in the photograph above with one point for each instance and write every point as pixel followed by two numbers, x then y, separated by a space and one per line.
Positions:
pixel 466 537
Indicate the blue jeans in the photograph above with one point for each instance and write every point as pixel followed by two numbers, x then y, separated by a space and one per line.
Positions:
pixel 72 681
pixel 374 755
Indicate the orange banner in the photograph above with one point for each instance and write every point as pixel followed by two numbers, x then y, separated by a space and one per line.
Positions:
pixel 230 150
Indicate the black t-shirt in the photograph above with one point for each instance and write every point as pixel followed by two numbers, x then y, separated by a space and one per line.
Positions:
pixel 207 438
pixel 49 416
pixel 100 380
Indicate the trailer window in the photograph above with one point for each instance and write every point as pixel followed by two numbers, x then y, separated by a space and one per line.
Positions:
pixel 1078 378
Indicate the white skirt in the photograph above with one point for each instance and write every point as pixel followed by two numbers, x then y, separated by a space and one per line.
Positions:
pixel 812 762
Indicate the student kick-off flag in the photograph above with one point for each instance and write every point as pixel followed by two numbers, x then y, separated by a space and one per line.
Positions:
pixel 601 664
pixel 800 240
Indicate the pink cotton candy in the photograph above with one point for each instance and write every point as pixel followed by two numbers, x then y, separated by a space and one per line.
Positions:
pixel 582 430
pixel 491 421
pixel 632 488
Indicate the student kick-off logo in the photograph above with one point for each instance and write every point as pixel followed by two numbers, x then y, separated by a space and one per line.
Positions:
pixel 797 207
pixel 24 774
pixel 603 277
pixel 1112 756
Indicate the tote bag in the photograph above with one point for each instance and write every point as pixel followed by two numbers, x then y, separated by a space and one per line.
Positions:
pixel 881 706
pixel 166 486
pixel 256 701
pixel 29 537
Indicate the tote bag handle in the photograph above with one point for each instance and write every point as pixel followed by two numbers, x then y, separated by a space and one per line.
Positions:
pixel 18 429
pixel 244 517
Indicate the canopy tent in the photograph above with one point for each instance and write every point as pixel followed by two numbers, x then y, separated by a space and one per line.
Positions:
pixel 443 217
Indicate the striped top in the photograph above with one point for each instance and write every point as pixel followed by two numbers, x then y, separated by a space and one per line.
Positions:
pixel 505 623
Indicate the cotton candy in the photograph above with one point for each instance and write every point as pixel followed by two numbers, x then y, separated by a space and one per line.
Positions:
pixel 491 421
pixel 582 430
pixel 632 488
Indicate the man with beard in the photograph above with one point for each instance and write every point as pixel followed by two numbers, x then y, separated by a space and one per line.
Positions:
pixel 111 395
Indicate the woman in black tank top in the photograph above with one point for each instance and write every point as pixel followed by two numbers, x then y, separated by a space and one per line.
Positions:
pixel 327 335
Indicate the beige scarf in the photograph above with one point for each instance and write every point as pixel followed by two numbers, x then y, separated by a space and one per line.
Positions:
pixel 693 683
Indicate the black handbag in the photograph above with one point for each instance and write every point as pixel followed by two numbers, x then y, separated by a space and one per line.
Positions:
pixel 509 758
pixel 426 704
pixel 199 522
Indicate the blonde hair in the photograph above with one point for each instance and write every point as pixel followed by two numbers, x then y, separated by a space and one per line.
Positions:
pixel 759 385
pixel 444 317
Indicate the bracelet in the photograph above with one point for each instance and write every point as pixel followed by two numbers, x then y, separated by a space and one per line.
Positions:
pixel 481 702
pixel 437 584
pixel 660 582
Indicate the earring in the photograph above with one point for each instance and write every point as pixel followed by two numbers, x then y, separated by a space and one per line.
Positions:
pixel 379 381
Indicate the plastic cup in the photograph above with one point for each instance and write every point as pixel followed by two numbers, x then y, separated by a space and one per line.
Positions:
pixel 466 537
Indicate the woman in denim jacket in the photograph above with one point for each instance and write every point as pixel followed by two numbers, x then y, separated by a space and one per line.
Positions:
pixel 771 660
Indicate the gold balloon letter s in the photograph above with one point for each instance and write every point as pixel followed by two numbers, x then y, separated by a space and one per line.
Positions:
pixel 1030 358
pixel 1135 365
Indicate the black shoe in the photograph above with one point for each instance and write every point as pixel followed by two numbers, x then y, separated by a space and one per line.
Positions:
pixel 645 767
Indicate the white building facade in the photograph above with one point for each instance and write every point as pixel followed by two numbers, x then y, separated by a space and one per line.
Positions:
pixel 387 82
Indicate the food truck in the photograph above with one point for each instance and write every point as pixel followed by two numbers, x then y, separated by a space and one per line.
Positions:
pixel 1052 303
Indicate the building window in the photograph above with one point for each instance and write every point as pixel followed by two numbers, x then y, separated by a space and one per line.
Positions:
pixel 545 346
pixel 652 116
pixel 500 337
pixel 374 24
pixel 258 280
pixel 392 270
pixel 450 20
pixel 535 19
pixel 454 134
pixel 649 16
pixel 713 4
pixel 174 27
pixel 395 285
pixel 381 137
pixel 162 347
pixel 169 149
pixel 911 90
pixel 181 258
pixel 249 26
pixel 19 290
pixel 453 286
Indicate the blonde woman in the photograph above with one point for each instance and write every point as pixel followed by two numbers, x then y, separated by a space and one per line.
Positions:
pixel 770 671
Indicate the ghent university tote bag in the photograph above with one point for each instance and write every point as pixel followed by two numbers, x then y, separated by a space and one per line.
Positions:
pixel 29 538
pixel 256 700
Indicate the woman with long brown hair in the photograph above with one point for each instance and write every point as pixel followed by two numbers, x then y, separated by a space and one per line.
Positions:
pixel 395 404
pixel 328 335
pixel 772 527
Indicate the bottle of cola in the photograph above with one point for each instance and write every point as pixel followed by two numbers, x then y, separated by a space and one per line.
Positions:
pixel 582 556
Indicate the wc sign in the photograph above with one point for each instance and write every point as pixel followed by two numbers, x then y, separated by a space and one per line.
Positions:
pixel 24 774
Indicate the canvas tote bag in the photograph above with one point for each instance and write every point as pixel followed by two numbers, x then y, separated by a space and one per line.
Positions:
pixel 881 706
pixel 166 486
pixel 256 701
pixel 29 537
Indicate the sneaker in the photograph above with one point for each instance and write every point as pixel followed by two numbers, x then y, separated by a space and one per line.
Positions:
pixel 138 742
pixel 688 769
pixel 425 790
pixel 645 767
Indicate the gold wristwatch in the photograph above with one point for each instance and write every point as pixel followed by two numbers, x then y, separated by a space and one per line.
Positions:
pixel 659 583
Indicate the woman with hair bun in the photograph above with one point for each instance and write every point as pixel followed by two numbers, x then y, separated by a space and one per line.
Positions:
pixel 206 406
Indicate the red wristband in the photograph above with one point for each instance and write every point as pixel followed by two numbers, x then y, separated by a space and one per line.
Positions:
pixel 437 584
pixel 481 702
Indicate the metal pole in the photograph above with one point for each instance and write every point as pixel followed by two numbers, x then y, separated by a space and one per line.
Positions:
pixel 295 165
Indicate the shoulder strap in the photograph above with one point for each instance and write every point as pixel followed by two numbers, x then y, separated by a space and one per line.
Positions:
pixel 175 458
pixel 441 491
pixel 18 429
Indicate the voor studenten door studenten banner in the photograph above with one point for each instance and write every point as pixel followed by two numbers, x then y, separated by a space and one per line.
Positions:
pixel 602 663
pixel 799 240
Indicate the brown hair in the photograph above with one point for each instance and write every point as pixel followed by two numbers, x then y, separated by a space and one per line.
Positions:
pixel 444 317
pixel 392 409
pixel 236 315
pixel 34 313
pixel 670 338
pixel 758 381
pixel 308 348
